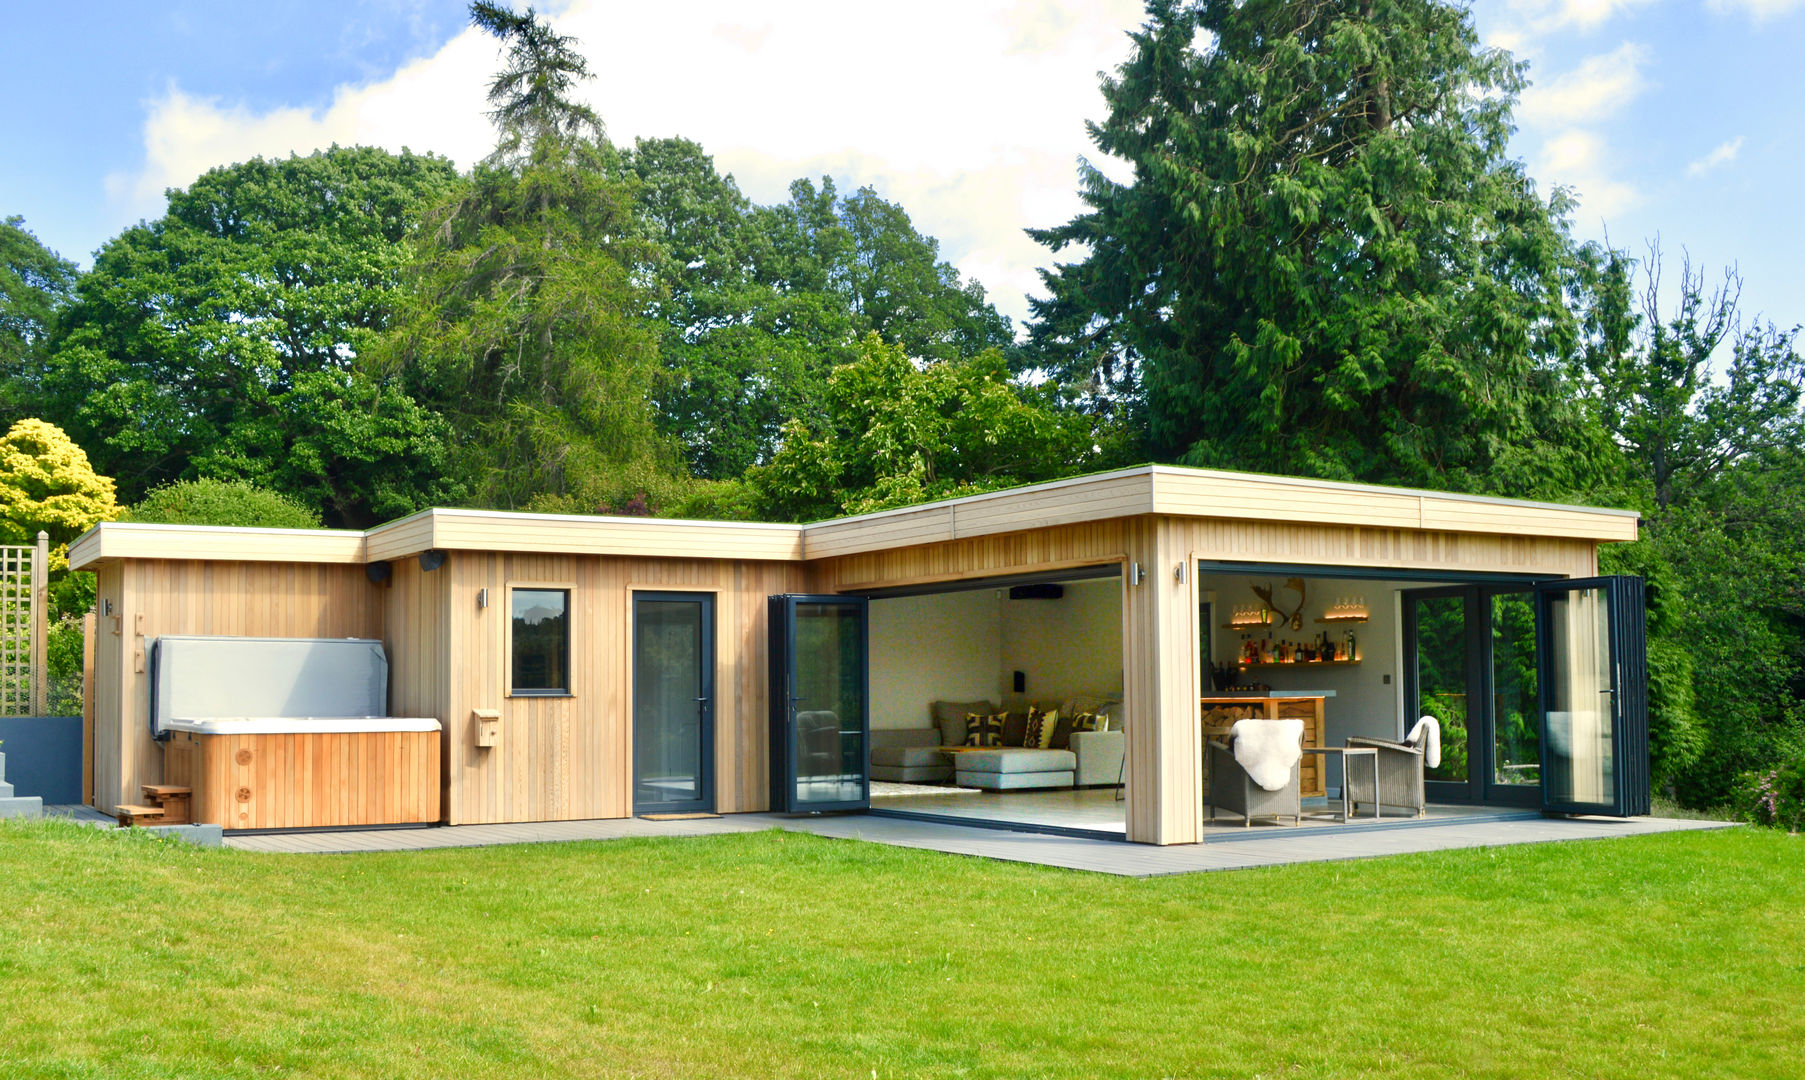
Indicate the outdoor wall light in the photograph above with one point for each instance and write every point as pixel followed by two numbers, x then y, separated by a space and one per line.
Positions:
pixel 1178 573
pixel 1135 574
pixel 482 599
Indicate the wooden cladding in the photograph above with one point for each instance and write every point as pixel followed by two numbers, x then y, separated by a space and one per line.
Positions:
pixel 561 758
pixel 307 780
pixel 152 597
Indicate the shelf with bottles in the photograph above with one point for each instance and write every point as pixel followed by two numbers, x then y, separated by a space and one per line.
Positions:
pixel 1296 663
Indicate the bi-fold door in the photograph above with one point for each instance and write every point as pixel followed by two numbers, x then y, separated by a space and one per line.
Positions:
pixel 1540 690
pixel 820 711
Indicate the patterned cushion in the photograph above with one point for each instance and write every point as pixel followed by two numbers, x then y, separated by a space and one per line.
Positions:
pixel 984 730
pixel 1086 722
pixel 949 717
pixel 1039 734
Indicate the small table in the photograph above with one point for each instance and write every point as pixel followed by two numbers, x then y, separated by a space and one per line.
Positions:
pixel 1346 752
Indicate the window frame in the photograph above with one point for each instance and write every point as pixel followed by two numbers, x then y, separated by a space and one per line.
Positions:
pixel 569 590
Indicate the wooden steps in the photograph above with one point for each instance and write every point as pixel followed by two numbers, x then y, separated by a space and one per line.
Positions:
pixel 168 806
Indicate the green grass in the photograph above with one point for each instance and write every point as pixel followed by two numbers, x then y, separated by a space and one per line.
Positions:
pixel 785 955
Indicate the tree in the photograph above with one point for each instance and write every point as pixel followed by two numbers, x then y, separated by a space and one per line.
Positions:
pixel 1714 457
pixel 48 485
pixel 226 339
pixel 524 327
pixel 1653 378
pixel 760 303
pixel 223 502
pixel 534 109
pixel 35 283
pixel 1325 263
pixel 898 434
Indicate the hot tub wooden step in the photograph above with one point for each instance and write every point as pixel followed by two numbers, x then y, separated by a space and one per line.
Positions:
pixel 172 799
pixel 130 815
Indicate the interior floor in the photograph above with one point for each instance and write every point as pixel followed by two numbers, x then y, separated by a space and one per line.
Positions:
pixel 1100 810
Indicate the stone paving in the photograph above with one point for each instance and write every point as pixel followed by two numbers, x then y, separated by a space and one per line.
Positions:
pixel 1259 846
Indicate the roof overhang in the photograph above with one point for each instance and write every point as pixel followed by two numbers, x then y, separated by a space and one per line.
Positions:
pixel 1147 490
pixel 136 540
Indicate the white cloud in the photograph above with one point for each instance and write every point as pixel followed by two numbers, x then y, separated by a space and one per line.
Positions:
pixel 1526 21
pixel 1576 159
pixel 968 112
pixel 1758 10
pixel 1598 87
pixel 1724 154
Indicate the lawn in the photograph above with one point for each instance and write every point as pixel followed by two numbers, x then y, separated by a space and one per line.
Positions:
pixel 785 955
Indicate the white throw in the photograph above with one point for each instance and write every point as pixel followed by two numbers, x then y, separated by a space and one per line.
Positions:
pixel 1268 749
pixel 1426 736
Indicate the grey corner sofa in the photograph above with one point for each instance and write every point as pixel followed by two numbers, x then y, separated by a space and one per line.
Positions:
pixel 909 756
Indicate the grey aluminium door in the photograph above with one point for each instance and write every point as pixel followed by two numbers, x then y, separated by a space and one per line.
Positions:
pixel 673 702
pixel 1594 696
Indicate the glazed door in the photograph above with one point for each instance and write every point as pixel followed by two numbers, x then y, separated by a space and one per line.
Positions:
pixel 1594 696
pixel 1444 679
pixel 673 702
pixel 820 712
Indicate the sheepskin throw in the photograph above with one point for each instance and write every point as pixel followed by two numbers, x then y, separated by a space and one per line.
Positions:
pixel 1268 750
pixel 1426 736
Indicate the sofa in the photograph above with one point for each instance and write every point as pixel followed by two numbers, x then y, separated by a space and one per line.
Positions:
pixel 1090 758
pixel 909 756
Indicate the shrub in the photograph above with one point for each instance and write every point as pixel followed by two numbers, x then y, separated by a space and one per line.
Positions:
pixel 223 502
pixel 1774 797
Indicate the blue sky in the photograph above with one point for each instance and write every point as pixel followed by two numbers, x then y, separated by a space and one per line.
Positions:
pixel 1676 117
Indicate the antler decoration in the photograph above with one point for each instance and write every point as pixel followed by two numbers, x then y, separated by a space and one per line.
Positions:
pixel 1296 615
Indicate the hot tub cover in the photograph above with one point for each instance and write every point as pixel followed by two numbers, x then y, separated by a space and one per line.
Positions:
pixel 210 678
pixel 296 725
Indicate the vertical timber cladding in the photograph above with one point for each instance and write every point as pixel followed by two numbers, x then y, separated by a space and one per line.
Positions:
pixel 570 758
pixel 1164 753
pixel 152 597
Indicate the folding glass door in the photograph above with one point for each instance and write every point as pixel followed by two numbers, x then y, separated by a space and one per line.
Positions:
pixel 1594 696
pixel 1540 692
pixel 820 713
pixel 673 702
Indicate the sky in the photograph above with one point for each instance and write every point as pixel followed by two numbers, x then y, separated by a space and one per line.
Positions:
pixel 1680 119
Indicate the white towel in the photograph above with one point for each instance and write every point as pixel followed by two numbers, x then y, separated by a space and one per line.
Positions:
pixel 1268 749
pixel 1426 736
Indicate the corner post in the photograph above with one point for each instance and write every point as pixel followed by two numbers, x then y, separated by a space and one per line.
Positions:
pixel 40 616
pixel 1164 772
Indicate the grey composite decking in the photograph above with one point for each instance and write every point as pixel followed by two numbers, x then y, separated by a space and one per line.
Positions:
pixel 1279 846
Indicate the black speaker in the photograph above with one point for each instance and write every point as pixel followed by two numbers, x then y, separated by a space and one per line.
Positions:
pixel 1021 682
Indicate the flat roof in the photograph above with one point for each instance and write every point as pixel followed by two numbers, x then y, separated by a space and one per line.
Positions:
pixel 1143 490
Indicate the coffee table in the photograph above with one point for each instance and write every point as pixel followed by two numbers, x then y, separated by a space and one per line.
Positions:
pixel 1346 752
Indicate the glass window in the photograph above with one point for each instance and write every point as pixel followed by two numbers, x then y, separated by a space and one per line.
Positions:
pixel 541 641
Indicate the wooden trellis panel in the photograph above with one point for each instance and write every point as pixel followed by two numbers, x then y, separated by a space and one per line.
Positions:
pixel 24 684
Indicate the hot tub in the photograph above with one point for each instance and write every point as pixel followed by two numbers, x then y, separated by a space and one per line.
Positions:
pixel 218 706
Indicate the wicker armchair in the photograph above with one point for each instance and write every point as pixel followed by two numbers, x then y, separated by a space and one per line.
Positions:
pixel 1400 777
pixel 1233 790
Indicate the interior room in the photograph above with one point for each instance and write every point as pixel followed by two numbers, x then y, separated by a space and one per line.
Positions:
pixel 1051 643
pixel 1339 639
